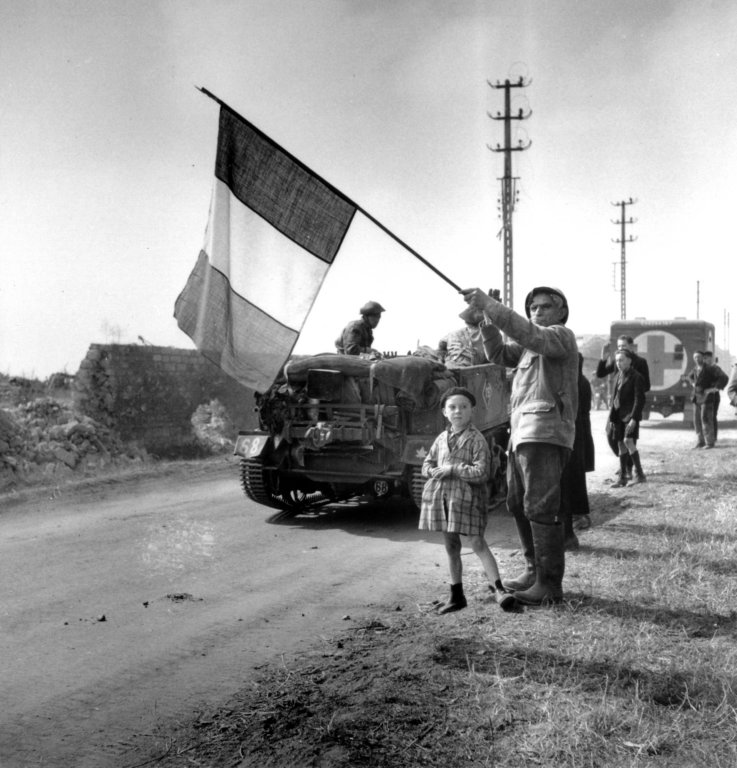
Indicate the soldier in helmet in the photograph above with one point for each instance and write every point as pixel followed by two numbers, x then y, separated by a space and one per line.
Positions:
pixel 358 336
pixel 544 404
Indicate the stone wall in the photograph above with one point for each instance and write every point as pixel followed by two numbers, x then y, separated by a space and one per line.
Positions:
pixel 149 394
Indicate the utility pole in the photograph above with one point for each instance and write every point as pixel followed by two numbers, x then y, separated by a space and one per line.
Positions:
pixel 509 190
pixel 623 239
pixel 698 298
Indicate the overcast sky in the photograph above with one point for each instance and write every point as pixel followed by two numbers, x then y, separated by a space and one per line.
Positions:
pixel 107 153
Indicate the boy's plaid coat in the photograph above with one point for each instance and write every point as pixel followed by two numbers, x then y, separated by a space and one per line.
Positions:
pixel 457 504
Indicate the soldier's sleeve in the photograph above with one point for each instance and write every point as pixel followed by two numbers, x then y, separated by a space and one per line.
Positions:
pixel 352 339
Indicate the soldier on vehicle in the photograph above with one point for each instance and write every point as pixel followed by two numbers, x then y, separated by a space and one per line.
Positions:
pixel 544 405
pixel 465 347
pixel 357 337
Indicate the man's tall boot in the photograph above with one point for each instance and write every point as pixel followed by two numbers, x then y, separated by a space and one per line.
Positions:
pixel 527 578
pixel 549 566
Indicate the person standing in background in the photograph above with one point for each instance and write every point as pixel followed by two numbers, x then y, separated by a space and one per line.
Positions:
pixel 574 496
pixel 607 366
pixel 623 426
pixel 720 384
pixel 704 380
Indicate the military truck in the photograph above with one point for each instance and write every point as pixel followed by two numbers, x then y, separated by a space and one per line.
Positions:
pixel 334 427
pixel 668 347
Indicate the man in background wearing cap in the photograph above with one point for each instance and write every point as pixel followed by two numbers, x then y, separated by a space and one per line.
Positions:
pixel 721 383
pixel 544 404
pixel 465 347
pixel 706 382
pixel 358 336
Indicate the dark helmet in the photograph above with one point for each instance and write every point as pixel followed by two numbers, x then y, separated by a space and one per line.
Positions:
pixel 547 289
pixel 372 308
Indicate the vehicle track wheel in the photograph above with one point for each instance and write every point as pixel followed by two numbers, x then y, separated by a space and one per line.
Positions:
pixel 259 486
pixel 417 483
pixel 256 484
pixel 297 500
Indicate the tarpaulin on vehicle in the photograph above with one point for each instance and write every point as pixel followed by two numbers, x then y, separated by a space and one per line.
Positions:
pixel 420 382
pixel 296 369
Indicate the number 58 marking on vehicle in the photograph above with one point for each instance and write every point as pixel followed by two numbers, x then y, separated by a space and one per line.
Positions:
pixel 250 446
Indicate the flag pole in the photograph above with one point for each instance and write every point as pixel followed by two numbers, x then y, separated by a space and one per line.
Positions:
pixel 347 199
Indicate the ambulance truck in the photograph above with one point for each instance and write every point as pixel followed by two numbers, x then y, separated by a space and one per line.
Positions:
pixel 668 347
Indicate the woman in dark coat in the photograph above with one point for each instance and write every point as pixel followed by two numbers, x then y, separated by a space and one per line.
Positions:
pixel 625 415
pixel 574 497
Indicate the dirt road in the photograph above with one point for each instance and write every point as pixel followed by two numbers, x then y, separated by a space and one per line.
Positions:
pixel 129 605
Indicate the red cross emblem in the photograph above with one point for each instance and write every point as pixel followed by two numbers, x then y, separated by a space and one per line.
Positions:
pixel 659 349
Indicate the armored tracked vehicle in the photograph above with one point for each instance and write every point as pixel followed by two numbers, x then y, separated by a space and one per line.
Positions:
pixel 333 427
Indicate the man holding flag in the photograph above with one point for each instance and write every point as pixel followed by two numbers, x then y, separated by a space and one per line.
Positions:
pixel 544 403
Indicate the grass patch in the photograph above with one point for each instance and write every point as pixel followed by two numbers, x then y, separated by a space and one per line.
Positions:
pixel 636 668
